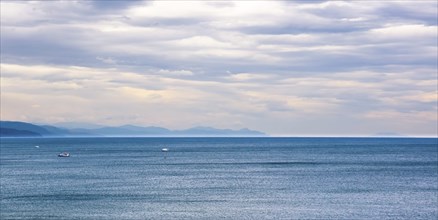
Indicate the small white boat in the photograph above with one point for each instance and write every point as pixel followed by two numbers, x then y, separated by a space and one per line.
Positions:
pixel 164 150
pixel 64 154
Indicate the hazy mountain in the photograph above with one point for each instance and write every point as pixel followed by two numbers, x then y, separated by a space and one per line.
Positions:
pixel 209 131
pixel 77 125
pixel 131 130
pixel 55 131
pixel 27 129
pixel 10 128
pixel 10 132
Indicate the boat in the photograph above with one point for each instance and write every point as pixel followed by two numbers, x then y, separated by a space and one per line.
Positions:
pixel 164 150
pixel 64 154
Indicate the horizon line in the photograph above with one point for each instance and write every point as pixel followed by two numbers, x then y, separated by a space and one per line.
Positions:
pixel 213 136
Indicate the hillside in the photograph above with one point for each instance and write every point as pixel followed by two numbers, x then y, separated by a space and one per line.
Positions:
pixel 20 129
pixel 10 132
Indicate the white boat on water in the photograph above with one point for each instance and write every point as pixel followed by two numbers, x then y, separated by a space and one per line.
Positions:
pixel 64 154
pixel 165 150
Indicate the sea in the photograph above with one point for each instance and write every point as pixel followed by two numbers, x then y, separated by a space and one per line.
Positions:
pixel 219 178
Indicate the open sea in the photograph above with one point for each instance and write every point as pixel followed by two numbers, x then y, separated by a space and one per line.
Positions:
pixel 219 178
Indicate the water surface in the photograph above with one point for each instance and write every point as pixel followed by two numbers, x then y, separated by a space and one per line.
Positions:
pixel 219 178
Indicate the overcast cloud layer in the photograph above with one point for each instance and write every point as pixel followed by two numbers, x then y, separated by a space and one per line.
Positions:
pixel 285 68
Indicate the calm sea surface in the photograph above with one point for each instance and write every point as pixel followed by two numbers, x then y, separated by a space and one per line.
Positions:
pixel 219 178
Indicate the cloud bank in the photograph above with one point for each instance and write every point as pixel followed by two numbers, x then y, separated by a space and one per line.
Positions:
pixel 285 68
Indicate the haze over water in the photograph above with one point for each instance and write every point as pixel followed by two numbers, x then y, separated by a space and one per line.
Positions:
pixel 219 178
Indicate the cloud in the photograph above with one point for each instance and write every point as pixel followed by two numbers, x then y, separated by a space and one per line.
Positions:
pixel 114 5
pixel 295 64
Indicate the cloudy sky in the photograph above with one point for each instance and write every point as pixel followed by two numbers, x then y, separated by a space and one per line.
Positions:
pixel 285 68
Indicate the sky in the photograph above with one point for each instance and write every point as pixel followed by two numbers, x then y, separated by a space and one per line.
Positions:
pixel 286 68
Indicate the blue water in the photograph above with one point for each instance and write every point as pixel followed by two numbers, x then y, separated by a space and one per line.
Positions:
pixel 219 178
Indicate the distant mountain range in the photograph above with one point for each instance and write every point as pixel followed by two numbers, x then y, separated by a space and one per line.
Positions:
pixel 23 129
